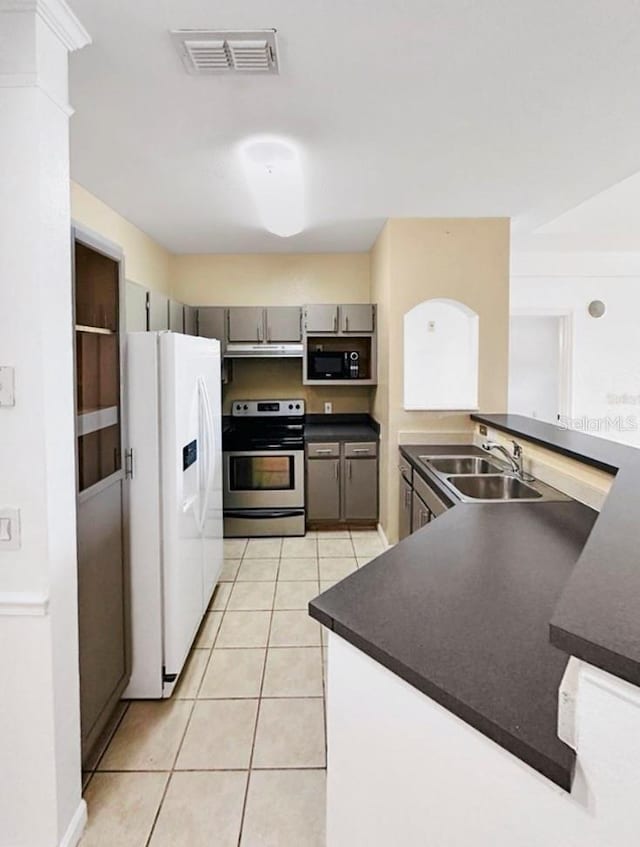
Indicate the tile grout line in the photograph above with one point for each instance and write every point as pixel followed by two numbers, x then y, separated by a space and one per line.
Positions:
pixel 255 728
pixel 186 728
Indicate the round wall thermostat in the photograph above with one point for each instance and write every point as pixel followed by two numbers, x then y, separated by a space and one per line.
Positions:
pixel 597 308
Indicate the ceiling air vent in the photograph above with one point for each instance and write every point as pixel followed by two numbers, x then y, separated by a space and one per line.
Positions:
pixel 220 51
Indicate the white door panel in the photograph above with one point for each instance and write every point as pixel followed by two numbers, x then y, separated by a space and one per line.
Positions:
pixel 183 469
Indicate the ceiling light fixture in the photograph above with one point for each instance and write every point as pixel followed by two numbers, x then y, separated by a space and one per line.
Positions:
pixel 273 171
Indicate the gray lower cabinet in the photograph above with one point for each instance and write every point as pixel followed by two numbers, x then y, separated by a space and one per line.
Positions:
pixel 176 316
pixel 245 324
pixel 158 311
pixel 283 323
pixel 342 482
pixel 421 515
pixel 360 489
pixel 323 489
pixel 405 507
pixel 418 502
pixel 136 307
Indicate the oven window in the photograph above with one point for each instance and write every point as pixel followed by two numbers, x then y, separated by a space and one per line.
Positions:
pixel 261 473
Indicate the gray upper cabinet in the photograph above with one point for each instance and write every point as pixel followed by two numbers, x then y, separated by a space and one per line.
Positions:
pixel 176 316
pixel 320 318
pixel 158 311
pixel 211 321
pixel 323 489
pixel 357 317
pixel 283 323
pixel 190 320
pixel 360 489
pixel 245 324
pixel 136 307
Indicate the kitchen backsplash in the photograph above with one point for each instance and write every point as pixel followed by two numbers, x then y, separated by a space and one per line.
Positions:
pixel 281 379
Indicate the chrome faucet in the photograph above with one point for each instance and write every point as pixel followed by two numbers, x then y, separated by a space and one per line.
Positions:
pixel 514 460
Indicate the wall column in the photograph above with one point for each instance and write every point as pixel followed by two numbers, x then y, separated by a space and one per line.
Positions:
pixel 40 777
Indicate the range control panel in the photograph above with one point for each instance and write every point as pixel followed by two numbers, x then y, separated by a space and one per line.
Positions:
pixel 267 408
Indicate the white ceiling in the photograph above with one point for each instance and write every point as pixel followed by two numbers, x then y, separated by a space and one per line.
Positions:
pixel 407 108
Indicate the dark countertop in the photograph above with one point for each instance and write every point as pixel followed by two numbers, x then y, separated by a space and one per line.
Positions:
pixel 460 610
pixel 346 427
pixel 597 617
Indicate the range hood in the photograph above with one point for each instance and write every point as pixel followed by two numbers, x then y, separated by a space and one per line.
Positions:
pixel 264 350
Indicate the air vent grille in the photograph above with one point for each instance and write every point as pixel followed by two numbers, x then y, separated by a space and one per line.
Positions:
pixel 215 51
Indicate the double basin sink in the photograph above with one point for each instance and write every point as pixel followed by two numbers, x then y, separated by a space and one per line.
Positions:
pixel 479 479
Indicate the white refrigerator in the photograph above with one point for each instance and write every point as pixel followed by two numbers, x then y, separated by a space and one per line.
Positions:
pixel 175 500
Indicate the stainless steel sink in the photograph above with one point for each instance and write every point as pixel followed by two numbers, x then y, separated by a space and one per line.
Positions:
pixel 456 465
pixel 494 488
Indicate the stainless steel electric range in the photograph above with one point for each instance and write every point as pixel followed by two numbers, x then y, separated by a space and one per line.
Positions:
pixel 263 455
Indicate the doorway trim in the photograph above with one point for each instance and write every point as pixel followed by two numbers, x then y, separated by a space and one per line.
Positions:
pixel 565 351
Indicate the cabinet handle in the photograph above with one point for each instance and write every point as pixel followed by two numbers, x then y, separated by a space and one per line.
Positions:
pixel 346 324
pixel 361 449
pixel 349 469
pixel 336 470
pixel 407 498
pixel 268 333
pixel 335 321
pixel 326 452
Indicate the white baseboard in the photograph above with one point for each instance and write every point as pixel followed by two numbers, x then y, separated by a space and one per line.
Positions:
pixel 76 826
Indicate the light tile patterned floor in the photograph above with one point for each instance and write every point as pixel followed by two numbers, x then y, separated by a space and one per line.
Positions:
pixel 236 758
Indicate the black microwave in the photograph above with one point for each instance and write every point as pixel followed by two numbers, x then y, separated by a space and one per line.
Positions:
pixel 329 364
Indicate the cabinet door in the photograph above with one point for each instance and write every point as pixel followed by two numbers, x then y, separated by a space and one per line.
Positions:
pixel 211 322
pixel 284 323
pixel 176 316
pixel 190 320
pixel 420 514
pixel 323 489
pixel 405 508
pixel 319 318
pixel 136 306
pixel 357 317
pixel 158 311
pixel 245 323
pixel 360 489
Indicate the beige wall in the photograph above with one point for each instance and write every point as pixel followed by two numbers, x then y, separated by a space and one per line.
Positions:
pixel 145 261
pixel 271 279
pixel 415 260
pixel 282 379
pixel 268 279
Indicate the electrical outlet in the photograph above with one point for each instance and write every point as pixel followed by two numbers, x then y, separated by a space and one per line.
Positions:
pixel 483 430
pixel 328 408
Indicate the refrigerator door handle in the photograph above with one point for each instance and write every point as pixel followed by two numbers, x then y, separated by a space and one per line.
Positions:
pixel 206 437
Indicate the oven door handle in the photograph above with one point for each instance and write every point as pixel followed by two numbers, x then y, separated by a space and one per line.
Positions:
pixel 263 514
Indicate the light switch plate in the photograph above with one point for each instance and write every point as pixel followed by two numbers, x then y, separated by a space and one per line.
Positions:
pixel 328 408
pixel 9 529
pixel 7 392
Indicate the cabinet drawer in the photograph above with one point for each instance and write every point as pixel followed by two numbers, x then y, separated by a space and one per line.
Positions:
pixel 323 450
pixel 360 449
pixel 429 496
